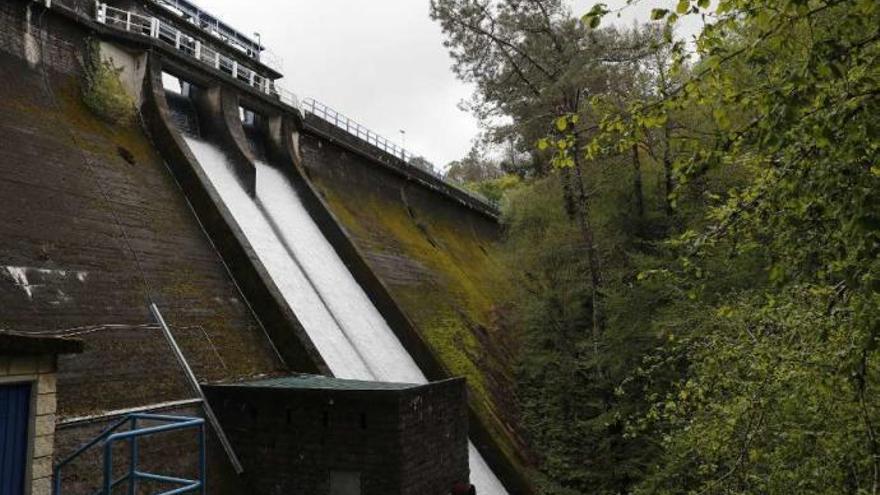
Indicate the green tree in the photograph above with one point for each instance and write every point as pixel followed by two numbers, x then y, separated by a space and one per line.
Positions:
pixel 777 351
pixel 474 167
pixel 534 66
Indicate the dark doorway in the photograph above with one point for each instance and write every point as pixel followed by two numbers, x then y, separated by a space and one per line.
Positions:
pixel 15 405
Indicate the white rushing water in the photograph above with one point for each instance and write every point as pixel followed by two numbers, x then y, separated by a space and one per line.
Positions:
pixel 348 331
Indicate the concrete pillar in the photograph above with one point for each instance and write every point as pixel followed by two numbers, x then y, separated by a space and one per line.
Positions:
pixel 100 12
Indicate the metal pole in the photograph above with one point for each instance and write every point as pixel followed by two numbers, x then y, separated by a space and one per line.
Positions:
pixel 403 144
pixel 194 383
pixel 108 468
pixel 202 459
pixel 57 481
pixel 133 459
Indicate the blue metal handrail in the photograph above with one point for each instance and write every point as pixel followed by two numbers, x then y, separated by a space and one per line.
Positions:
pixel 109 436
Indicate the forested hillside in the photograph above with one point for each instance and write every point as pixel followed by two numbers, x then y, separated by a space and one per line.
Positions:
pixel 692 238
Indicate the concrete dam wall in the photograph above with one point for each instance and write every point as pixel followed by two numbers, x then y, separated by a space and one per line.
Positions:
pixel 92 224
pixel 274 246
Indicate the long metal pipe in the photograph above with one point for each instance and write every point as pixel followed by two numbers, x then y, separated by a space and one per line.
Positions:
pixel 194 383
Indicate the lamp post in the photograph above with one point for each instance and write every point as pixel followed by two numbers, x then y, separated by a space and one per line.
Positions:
pixel 403 144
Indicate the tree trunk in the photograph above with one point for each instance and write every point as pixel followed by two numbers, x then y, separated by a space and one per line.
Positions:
pixel 568 194
pixel 637 182
pixel 667 132
pixel 583 218
pixel 667 169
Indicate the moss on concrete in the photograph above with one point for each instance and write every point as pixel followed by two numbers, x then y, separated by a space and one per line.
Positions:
pixel 200 302
pixel 103 91
pixel 443 275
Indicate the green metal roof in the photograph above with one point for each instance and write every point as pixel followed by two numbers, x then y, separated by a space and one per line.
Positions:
pixel 318 382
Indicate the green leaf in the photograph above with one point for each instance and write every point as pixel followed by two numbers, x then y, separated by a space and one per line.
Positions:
pixel 562 123
pixel 721 118
pixel 657 14
pixel 683 6
pixel 777 273
pixel 594 17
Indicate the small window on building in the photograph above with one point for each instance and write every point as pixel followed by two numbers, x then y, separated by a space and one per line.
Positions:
pixel 345 483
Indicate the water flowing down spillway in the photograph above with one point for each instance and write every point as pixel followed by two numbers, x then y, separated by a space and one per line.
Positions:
pixel 360 322
pixel 348 331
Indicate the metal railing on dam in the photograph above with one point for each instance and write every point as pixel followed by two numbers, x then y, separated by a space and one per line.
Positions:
pixel 363 133
pixel 191 46
pixel 350 126
pixel 212 24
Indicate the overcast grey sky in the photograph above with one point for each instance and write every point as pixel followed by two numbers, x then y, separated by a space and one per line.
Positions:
pixel 381 62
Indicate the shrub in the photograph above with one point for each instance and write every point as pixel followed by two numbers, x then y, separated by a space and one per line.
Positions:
pixel 104 93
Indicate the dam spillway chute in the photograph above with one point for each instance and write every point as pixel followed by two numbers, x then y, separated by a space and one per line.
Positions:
pixel 348 330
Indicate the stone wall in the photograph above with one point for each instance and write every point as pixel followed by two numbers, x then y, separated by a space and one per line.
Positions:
pixel 40 372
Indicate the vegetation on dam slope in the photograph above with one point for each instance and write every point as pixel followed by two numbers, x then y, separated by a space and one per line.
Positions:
pixel 442 269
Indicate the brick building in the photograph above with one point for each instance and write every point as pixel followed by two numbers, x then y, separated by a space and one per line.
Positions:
pixel 28 367
pixel 319 435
